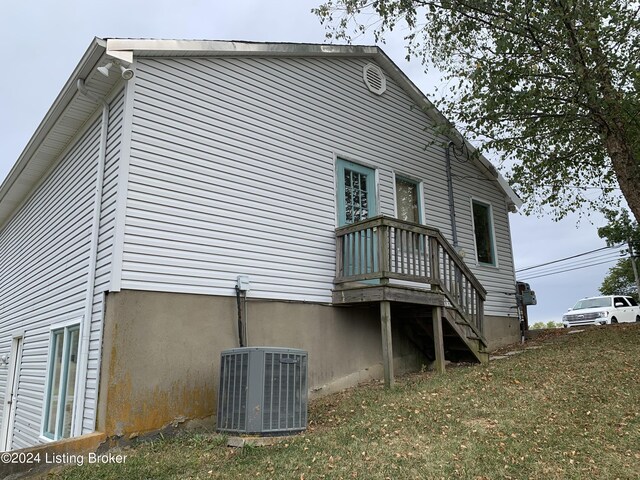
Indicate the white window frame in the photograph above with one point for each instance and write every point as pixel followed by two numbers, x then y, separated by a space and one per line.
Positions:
pixel 75 322
pixel 420 190
pixel 494 248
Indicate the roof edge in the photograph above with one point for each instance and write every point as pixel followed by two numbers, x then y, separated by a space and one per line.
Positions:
pixel 119 48
pixel 93 53
pixel 125 49
pixel 430 109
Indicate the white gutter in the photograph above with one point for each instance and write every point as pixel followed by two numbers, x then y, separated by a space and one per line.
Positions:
pixel 27 170
pixel 85 328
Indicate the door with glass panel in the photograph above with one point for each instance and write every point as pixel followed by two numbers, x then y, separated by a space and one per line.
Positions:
pixel 61 384
pixel 357 201
pixel 11 395
pixel 408 200
pixel 409 248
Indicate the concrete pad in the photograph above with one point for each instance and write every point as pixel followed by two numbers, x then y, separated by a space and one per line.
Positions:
pixel 239 442
pixel 570 332
pixel 497 357
pixel 515 352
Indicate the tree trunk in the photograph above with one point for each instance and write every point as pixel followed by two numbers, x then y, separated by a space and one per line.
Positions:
pixel 626 169
pixel 606 110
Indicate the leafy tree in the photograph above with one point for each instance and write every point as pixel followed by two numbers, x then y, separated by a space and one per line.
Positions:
pixel 551 86
pixel 620 280
pixel 542 325
pixel 620 229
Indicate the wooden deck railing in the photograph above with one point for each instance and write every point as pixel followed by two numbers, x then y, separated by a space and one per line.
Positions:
pixel 384 249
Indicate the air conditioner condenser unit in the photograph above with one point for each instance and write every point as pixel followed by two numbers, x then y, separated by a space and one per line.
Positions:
pixel 263 390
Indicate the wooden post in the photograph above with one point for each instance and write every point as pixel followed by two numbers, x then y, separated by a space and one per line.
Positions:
pixel 438 338
pixel 387 350
pixel 384 252
pixel 339 257
pixel 434 259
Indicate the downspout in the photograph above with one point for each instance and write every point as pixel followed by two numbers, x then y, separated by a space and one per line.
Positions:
pixel 241 299
pixel 452 207
pixel 85 330
pixel 242 287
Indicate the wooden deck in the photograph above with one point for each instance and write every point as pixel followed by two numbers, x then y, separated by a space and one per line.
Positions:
pixel 384 260
pixel 354 293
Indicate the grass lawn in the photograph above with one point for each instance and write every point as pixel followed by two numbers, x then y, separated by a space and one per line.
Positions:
pixel 568 410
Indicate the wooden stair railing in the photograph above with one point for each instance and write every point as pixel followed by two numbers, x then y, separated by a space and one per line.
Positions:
pixel 386 249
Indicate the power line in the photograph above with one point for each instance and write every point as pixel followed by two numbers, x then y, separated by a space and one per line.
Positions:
pixel 576 263
pixel 568 270
pixel 583 263
pixel 566 258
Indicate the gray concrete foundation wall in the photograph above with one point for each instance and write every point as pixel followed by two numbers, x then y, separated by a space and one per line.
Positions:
pixel 501 331
pixel 161 352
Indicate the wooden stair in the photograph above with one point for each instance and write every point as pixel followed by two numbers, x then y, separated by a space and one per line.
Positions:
pixel 418 327
pixel 414 270
pixel 462 341
pixel 462 335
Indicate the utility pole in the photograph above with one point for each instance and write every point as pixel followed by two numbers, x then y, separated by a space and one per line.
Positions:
pixel 633 256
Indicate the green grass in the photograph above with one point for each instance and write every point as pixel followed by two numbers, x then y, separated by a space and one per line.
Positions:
pixel 569 410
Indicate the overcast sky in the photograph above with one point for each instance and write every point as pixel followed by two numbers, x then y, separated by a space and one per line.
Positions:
pixel 43 42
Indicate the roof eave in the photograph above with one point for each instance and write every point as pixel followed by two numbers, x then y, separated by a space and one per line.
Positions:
pixel 125 49
pixel 89 59
pixel 514 202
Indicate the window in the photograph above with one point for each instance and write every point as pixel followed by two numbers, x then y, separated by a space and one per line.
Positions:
pixel 408 200
pixel 356 196
pixel 61 388
pixel 483 229
pixel 620 300
pixel 632 301
pixel 356 192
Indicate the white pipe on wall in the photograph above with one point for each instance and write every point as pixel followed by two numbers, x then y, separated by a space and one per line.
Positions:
pixel 85 328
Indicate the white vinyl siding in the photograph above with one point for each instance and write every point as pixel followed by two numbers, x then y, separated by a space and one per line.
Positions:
pixel 105 252
pixel 499 281
pixel 232 172
pixel 44 258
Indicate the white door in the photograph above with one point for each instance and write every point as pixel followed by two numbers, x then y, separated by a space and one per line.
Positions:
pixel 13 375
pixel 622 309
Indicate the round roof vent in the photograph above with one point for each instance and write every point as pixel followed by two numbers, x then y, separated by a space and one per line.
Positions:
pixel 374 78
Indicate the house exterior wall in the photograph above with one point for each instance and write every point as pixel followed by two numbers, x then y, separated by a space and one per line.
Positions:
pixel 499 280
pixel 501 331
pixel 232 171
pixel 162 352
pixel 44 263
pixel 229 169
pixel 104 255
